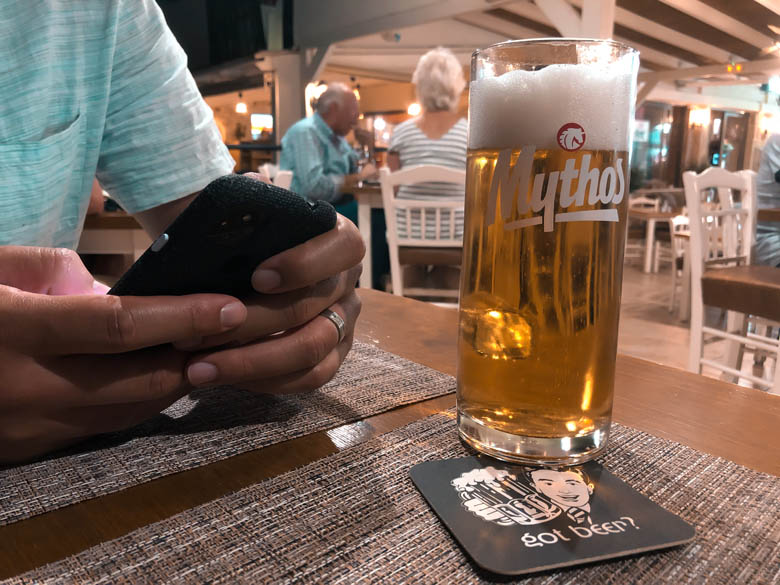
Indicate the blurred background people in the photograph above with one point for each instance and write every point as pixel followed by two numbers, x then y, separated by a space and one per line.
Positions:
pixel 438 135
pixel 767 246
pixel 323 164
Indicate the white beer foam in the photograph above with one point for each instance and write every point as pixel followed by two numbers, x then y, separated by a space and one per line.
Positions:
pixel 529 107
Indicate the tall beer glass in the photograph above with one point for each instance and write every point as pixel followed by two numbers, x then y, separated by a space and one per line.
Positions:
pixel 545 225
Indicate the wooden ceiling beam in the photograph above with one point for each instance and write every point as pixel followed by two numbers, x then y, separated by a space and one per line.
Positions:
pixel 651 57
pixel 711 14
pixel 763 66
pixel 653 43
pixel 674 19
pixel 750 13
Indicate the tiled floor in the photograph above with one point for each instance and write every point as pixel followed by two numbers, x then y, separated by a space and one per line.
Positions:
pixel 649 331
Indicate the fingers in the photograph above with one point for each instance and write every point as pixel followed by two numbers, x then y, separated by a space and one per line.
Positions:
pixel 73 324
pixel 317 259
pixel 308 379
pixel 268 314
pixel 262 177
pixel 297 358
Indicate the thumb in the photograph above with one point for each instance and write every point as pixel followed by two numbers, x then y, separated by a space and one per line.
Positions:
pixel 48 271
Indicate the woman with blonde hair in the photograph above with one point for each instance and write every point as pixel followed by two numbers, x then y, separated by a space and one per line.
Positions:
pixel 438 135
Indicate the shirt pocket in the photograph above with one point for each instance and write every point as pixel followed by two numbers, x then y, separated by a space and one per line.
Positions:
pixel 42 188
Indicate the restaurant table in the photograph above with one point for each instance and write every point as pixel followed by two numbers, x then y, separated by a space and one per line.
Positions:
pixel 368 196
pixel 769 214
pixel 735 423
pixel 113 232
pixel 650 217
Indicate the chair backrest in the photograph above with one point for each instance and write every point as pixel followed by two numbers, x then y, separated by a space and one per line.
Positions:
pixel 721 232
pixel 283 179
pixel 643 202
pixel 679 224
pixel 422 220
pixel 425 222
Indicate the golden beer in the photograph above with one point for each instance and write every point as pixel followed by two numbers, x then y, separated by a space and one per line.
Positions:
pixel 538 312
pixel 544 234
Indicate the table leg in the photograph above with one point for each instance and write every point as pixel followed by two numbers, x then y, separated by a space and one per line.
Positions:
pixel 364 225
pixel 649 245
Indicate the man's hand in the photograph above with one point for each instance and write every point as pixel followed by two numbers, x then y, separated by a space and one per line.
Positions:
pixel 368 172
pixel 75 362
pixel 284 345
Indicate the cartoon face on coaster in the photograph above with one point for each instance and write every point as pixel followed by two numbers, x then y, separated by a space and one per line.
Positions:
pixel 533 496
pixel 516 520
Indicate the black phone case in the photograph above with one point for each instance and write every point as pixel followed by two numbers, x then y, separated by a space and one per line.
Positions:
pixel 217 242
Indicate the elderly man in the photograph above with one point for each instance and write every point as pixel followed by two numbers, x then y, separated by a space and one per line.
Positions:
pixel 324 166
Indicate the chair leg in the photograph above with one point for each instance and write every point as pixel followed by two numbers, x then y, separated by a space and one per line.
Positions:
pixel 735 323
pixel 695 346
pixel 776 384
pixel 673 296
pixel 685 290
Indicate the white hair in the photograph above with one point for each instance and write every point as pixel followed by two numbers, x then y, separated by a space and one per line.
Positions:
pixel 335 93
pixel 439 80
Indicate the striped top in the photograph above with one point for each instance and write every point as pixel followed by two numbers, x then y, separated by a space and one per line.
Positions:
pixel 95 88
pixel 415 148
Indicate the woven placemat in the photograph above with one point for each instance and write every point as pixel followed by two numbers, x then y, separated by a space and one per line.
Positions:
pixel 213 424
pixel 355 517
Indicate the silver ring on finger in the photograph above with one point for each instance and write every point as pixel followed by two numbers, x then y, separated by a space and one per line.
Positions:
pixel 336 319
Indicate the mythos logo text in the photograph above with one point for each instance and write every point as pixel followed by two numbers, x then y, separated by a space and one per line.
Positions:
pixel 584 192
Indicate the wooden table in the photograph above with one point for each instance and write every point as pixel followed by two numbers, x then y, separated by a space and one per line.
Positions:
pixel 737 423
pixel 650 216
pixel 368 196
pixel 113 232
pixel 769 214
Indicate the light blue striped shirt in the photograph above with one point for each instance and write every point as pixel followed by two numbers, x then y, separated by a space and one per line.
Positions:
pixel 95 88
pixel 318 158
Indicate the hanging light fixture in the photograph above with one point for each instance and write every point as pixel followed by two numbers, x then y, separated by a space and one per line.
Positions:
pixel 414 109
pixel 699 117
pixel 241 105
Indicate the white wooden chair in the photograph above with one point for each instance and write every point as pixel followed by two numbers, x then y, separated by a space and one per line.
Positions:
pixel 635 239
pixel 720 248
pixel 421 232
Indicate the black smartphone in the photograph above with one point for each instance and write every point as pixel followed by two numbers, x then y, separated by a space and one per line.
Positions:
pixel 216 243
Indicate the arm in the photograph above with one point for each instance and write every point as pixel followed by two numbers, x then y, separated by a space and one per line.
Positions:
pixel 160 143
pixel 95 198
pixel 393 161
pixel 307 164
pixel 155 220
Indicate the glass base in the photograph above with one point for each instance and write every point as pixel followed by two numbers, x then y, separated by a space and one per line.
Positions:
pixel 531 450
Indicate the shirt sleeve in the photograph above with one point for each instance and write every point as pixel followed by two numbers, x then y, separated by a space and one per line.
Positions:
pixel 307 164
pixel 160 142
pixel 773 154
